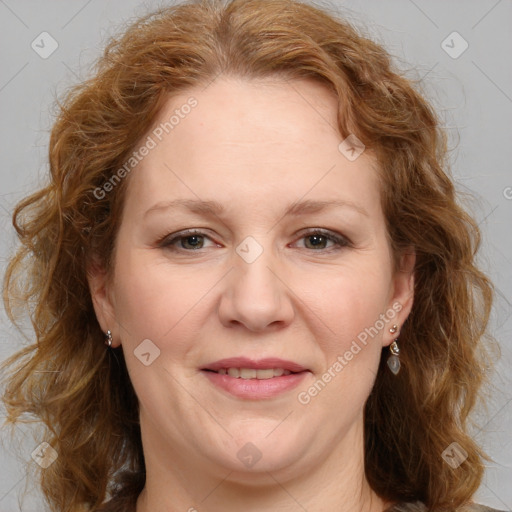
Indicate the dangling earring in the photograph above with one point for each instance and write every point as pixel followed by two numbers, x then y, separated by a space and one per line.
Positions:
pixel 108 340
pixel 393 359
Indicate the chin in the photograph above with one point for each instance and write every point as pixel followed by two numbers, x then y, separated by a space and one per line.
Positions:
pixel 283 466
pixel 260 451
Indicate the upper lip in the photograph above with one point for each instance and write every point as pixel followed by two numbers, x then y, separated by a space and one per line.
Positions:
pixel 245 362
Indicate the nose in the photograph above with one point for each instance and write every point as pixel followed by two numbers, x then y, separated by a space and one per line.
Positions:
pixel 256 296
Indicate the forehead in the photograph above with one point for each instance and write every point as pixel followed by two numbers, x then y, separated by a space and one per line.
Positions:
pixel 260 140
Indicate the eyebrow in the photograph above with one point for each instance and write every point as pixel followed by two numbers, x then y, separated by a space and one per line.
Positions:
pixel 214 208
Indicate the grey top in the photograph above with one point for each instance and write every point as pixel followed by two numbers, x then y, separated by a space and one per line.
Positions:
pixel 420 507
pixel 120 506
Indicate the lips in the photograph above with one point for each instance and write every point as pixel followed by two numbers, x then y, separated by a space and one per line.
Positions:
pixel 250 379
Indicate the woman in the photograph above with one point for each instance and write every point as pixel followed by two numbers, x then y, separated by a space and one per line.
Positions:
pixel 249 207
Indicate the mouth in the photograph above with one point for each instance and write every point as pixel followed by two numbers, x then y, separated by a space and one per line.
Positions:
pixel 255 379
pixel 245 368
pixel 253 373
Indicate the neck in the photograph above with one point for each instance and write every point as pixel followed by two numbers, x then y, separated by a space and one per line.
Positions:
pixel 336 482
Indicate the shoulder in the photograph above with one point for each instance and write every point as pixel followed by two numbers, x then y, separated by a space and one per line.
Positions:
pixel 420 507
pixel 479 508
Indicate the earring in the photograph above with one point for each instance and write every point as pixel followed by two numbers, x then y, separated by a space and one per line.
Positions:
pixel 108 340
pixel 393 359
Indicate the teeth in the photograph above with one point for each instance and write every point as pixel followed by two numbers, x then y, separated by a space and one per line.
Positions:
pixel 252 373
pixel 262 374
pixel 234 372
pixel 248 373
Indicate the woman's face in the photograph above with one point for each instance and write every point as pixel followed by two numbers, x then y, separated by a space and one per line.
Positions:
pixel 254 341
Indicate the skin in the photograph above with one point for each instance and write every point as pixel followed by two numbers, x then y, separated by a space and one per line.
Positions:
pixel 256 147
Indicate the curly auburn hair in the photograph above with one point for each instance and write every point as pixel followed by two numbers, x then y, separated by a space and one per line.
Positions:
pixel 411 418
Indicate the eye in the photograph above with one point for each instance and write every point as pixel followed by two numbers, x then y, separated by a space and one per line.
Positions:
pixel 318 239
pixel 190 240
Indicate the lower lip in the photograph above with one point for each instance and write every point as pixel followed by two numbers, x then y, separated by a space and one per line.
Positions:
pixel 255 389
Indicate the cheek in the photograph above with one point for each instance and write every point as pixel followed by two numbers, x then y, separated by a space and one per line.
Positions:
pixel 154 302
pixel 349 304
pixel 348 335
pixel 163 306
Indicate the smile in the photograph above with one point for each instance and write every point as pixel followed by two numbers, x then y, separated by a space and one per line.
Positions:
pixel 252 373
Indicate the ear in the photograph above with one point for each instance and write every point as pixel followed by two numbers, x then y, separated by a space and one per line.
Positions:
pixel 100 287
pixel 402 296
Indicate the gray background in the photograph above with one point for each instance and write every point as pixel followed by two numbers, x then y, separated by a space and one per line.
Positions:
pixel 472 92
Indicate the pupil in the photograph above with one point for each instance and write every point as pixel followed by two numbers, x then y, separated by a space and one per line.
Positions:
pixel 316 240
pixel 195 241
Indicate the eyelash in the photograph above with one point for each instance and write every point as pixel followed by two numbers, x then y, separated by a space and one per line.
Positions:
pixel 339 241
